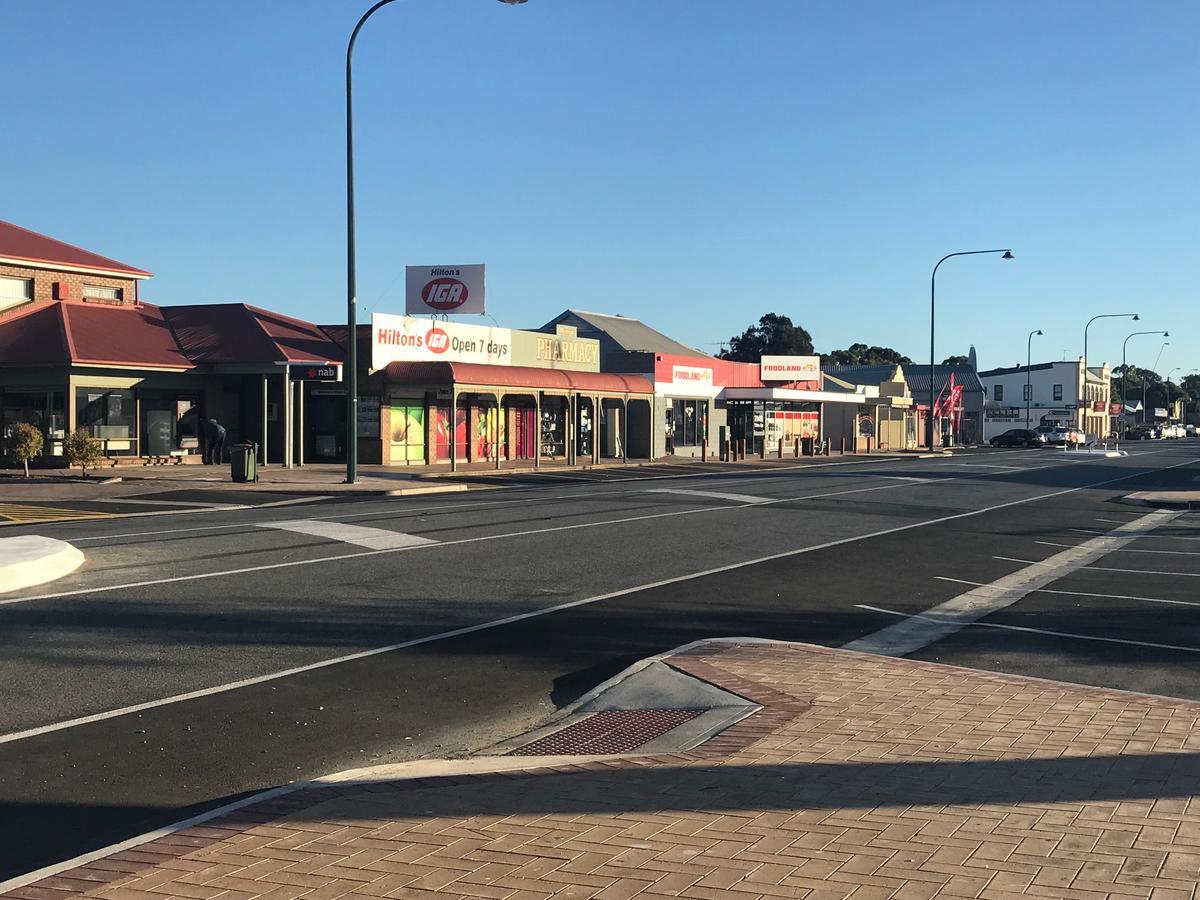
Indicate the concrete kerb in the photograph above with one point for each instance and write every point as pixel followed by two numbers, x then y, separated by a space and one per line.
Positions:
pixel 30 559
pixel 415 770
pixel 1181 500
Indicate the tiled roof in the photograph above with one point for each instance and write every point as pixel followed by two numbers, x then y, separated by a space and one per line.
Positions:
pixel 83 334
pixel 17 243
pixel 515 377
pixel 239 333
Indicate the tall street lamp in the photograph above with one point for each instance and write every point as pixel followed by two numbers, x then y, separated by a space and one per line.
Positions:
pixel 1168 381
pixel 1028 366
pixel 1153 368
pixel 1124 346
pixel 351 291
pixel 1133 316
pixel 932 322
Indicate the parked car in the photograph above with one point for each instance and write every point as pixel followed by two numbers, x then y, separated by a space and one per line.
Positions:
pixel 1171 432
pixel 1060 435
pixel 1191 430
pixel 1144 433
pixel 1019 437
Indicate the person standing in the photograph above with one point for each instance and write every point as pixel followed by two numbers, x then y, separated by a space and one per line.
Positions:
pixel 214 442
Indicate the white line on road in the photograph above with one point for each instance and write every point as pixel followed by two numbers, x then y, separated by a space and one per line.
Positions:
pixel 1033 562
pixel 1062 634
pixel 736 498
pixel 946 618
pixel 359 535
pixel 134 501
pixel 1129 549
pixel 1083 593
pixel 520 617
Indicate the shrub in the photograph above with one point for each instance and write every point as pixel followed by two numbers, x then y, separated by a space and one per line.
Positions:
pixel 83 450
pixel 25 443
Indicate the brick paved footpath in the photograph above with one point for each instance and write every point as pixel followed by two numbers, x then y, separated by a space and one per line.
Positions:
pixel 862 777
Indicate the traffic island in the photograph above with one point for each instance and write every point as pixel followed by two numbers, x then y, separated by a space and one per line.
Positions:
pixel 1164 499
pixel 31 559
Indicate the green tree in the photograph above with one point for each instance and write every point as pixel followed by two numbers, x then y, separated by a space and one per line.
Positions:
pixel 83 450
pixel 773 335
pixel 25 443
pixel 862 355
pixel 956 361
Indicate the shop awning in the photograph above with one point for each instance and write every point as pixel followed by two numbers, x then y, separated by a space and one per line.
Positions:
pixel 795 396
pixel 516 377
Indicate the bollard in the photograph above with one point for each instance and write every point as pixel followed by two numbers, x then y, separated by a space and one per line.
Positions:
pixel 781 447
pixel 843 446
pixel 797 448
pixel 703 450
pixel 762 448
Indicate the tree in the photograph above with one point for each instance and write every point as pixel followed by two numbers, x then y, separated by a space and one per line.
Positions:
pixel 956 361
pixel 773 335
pixel 862 355
pixel 25 443
pixel 83 450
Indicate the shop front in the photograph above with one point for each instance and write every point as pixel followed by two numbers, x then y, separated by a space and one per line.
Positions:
pixel 451 393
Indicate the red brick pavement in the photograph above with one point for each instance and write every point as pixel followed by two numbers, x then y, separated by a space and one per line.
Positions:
pixel 861 777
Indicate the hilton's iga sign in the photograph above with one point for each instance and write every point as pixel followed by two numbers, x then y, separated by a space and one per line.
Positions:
pixel 790 368
pixel 408 339
pixel 443 289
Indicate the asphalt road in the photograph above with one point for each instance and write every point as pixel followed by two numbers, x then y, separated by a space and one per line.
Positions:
pixel 198 657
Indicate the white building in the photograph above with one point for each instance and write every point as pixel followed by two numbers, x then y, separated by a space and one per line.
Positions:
pixel 1059 393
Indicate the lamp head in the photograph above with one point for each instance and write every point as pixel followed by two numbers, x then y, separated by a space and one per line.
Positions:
pixel 1136 317
pixel 1008 255
pixel 1039 331
pixel 1166 334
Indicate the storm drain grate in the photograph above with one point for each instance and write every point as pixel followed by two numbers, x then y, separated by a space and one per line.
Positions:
pixel 611 731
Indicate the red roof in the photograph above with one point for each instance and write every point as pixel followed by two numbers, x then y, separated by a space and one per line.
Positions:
pixel 239 333
pixel 83 334
pixel 515 377
pixel 19 243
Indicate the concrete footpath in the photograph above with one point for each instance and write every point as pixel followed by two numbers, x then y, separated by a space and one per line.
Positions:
pixel 860 776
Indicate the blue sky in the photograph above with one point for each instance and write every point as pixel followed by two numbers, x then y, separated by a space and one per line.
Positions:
pixel 689 162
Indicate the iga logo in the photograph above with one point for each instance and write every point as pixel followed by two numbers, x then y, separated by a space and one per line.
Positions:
pixel 444 294
pixel 437 340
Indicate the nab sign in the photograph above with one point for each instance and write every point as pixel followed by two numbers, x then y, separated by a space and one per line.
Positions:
pixel 443 289
pixel 315 373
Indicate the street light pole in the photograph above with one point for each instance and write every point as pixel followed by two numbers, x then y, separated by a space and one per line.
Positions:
pixel 1133 316
pixel 1154 368
pixel 932 332
pixel 1028 366
pixel 351 290
pixel 1168 380
pixel 1124 346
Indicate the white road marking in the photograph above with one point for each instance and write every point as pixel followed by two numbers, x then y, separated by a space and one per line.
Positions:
pixel 1130 549
pixel 359 535
pixel 1032 562
pixel 136 502
pixel 1084 593
pixel 516 534
pixel 1062 634
pixel 519 617
pixel 946 618
pixel 736 498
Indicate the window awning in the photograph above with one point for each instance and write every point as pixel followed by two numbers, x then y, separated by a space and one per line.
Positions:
pixel 516 377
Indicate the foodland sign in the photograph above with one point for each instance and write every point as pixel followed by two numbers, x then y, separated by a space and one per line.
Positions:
pixel 443 289
pixel 408 339
pixel 790 368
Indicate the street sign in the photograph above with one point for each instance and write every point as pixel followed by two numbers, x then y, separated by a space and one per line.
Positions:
pixel 409 339
pixel 443 289
pixel 1116 409
pixel 790 368
pixel 315 373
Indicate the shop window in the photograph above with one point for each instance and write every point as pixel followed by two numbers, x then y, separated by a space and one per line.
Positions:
pixel 689 422
pixel 99 292
pixel 45 409
pixel 554 427
pixel 109 415
pixel 408 431
pixel 997 392
pixel 14 291
pixel 1057 392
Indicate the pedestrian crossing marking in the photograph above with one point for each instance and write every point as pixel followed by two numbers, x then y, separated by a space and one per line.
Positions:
pixel 26 514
